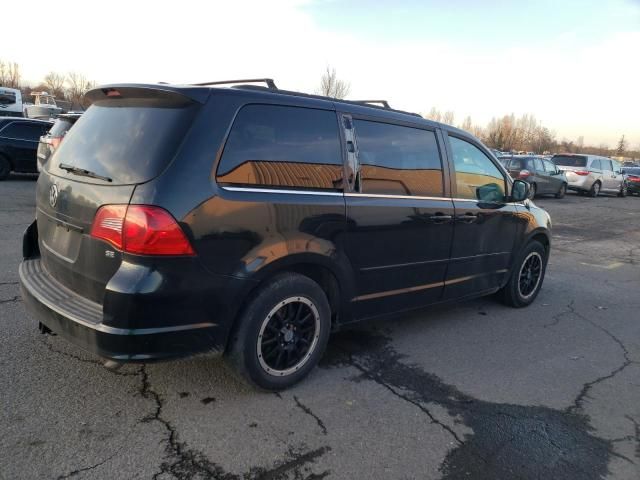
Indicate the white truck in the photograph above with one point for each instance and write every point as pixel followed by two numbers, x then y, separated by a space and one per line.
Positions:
pixel 11 102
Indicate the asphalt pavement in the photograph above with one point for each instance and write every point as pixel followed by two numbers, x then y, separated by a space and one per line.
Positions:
pixel 473 391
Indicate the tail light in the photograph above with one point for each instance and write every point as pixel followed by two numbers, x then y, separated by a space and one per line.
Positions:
pixel 524 174
pixel 634 179
pixel 582 173
pixel 140 229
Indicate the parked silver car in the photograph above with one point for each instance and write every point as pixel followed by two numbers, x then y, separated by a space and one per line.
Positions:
pixel 591 174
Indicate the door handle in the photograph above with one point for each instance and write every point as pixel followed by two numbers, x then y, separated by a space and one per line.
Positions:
pixel 467 217
pixel 440 218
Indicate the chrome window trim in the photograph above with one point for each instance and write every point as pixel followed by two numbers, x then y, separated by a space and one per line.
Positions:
pixel 278 190
pixel 403 197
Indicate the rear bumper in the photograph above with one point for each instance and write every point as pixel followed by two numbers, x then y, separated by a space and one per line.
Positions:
pixel 80 321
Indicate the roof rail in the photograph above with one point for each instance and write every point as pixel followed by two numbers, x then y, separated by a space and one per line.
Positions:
pixel 384 103
pixel 269 81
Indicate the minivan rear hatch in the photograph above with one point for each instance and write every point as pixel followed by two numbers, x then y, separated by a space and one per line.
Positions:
pixel 127 136
pixel 570 162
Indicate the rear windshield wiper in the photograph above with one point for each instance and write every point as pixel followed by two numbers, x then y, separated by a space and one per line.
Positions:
pixel 82 172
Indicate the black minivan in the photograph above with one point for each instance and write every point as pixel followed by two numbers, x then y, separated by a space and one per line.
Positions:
pixel 252 222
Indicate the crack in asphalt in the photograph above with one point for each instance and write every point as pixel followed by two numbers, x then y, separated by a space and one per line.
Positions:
pixel 8 283
pixel 507 440
pixel 187 463
pixel 308 411
pixel 91 467
pixel 584 392
pixel 16 298
pixel 636 433
pixel 377 379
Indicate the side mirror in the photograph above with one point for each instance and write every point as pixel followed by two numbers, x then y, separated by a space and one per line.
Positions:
pixel 519 191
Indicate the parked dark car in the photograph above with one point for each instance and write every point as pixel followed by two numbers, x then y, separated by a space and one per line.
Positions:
pixel 19 143
pixel 253 221
pixel 50 142
pixel 542 175
pixel 632 176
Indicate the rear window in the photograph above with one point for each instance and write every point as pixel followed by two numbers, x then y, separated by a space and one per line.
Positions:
pixel 7 98
pixel 570 160
pixel 517 164
pixel 129 140
pixel 632 171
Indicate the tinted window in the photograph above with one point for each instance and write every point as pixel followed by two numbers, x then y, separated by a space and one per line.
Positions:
pixel 24 131
pixel 596 165
pixel 476 175
pixel 129 140
pixel 570 160
pixel 632 170
pixel 606 165
pixel 397 160
pixel 280 146
pixel 518 164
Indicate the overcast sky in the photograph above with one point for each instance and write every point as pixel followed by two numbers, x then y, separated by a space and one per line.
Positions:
pixel 574 64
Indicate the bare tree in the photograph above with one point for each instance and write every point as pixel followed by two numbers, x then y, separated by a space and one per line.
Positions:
pixel 78 85
pixel 434 114
pixel 332 86
pixel 622 147
pixel 467 124
pixel 9 74
pixel 448 117
pixel 55 83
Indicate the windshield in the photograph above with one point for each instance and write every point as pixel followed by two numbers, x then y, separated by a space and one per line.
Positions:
pixel 127 141
pixel 570 160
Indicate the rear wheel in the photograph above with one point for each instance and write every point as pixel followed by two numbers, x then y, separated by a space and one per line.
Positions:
pixel 5 168
pixel 533 190
pixel 282 333
pixel 562 192
pixel 594 191
pixel 526 277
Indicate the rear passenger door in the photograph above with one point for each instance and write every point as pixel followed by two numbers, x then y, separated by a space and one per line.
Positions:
pixel 399 221
pixel 608 178
pixel 485 226
pixel 542 178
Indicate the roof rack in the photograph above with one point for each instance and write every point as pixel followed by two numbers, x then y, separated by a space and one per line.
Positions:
pixel 269 81
pixel 384 103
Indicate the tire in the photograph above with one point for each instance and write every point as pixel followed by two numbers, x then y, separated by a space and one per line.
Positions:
pixel 266 317
pixel 533 190
pixel 5 168
pixel 518 295
pixel 623 191
pixel 594 190
pixel 562 192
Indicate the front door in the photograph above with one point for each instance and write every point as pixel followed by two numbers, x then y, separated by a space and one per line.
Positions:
pixel 399 223
pixel 485 223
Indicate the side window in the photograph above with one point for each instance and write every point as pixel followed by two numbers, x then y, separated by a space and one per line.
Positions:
pixel 278 146
pixel 538 164
pixel 606 165
pixel 595 165
pixel 396 160
pixel 476 175
pixel 23 131
pixel 549 166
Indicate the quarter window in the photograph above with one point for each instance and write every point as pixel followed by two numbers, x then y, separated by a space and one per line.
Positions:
pixel 595 165
pixel 396 160
pixel 538 163
pixel 477 177
pixel 279 146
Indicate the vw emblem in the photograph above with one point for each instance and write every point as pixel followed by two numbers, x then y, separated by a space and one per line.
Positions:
pixel 53 195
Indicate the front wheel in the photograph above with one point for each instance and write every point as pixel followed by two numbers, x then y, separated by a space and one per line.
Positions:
pixel 282 332
pixel 527 276
pixel 594 191
pixel 562 192
pixel 623 191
